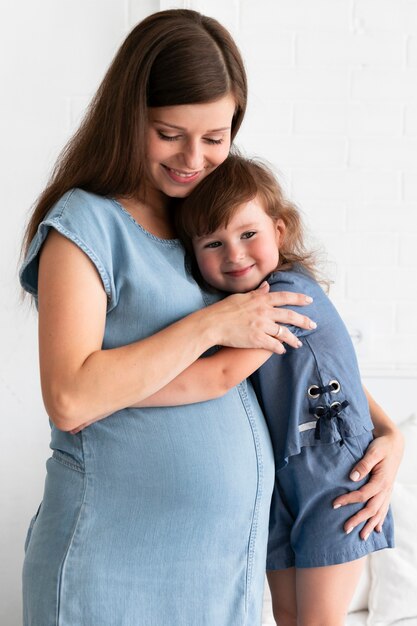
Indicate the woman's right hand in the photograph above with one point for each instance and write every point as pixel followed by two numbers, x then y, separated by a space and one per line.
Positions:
pixel 254 319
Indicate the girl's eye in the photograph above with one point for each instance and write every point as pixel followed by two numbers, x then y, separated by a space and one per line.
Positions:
pixel 249 234
pixel 213 244
pixel 168 137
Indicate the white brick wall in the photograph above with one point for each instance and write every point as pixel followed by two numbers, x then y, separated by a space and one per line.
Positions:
pixel 391 16
pixel 333 106
pixel 350 49
pixel 344 75
pixel 411 119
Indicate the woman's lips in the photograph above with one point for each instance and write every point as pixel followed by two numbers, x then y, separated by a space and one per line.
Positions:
pixel 239 273
pixel 181 177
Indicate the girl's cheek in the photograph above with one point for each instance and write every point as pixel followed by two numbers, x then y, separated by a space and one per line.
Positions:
pixel 209 268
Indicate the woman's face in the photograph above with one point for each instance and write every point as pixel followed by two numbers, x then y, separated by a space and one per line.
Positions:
pixel 186 142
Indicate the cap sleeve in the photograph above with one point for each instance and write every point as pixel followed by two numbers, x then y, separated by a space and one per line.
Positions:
pixel 297 282
pixel 84 219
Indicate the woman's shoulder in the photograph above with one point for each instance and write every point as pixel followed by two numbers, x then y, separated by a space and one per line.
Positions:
pixel 91 221
pixel 86 219
pixel 84 206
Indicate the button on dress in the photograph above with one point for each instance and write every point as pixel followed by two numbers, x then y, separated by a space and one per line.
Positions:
pixel 151 516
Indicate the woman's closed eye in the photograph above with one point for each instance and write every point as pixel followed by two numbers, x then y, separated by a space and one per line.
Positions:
pixel 168 137
pixel 209 140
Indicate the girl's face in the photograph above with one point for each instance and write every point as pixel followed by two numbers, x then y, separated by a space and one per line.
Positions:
pixel 186 142
pixel 238 258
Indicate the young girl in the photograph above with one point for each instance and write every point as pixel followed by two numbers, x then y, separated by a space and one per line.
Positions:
pixel 240 231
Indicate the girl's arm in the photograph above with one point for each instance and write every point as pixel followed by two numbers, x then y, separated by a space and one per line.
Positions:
pixel 82 383
pixel 381 461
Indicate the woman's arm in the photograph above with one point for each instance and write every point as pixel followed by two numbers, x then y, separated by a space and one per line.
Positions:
pixel 381 461
pixel 213 376
pixel 209 377
pixel 205 379
pixel 81 382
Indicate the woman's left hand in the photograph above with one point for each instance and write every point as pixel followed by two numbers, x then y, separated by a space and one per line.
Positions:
pixel 381 462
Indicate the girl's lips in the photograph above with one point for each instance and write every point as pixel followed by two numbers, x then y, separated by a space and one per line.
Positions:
pixel 239 273
pixel 178 176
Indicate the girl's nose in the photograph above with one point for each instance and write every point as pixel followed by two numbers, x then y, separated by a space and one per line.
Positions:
pixel 234 254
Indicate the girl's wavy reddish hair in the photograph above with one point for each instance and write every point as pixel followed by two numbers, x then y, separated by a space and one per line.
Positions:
pixel 216 199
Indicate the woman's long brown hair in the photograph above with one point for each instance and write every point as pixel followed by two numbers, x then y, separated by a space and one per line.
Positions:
pixel 172 57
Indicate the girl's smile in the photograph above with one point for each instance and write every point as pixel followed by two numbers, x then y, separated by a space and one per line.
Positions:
pixel 240 272
pixel 238 257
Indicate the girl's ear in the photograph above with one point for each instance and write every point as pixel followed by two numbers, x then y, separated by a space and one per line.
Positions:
pixel 281 231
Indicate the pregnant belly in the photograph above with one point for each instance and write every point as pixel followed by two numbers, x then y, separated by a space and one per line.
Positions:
pixel 171 500
pixel 196 457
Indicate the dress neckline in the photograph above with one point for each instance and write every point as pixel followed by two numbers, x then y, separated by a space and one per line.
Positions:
pixel 167 242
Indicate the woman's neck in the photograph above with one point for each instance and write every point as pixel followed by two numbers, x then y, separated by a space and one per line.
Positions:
pixel 152 214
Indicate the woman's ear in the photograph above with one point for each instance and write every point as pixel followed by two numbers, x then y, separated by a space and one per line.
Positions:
pixel 281 231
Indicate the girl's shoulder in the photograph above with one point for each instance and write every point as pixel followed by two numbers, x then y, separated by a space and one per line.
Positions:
pixel 294 279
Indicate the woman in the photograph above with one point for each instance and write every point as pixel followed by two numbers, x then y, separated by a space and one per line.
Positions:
pixel 155 515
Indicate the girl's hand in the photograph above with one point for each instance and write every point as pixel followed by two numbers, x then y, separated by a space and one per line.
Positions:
pixel 381 461
pixel 253 319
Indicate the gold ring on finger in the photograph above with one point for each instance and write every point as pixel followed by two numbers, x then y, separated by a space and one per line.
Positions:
pixel 279 330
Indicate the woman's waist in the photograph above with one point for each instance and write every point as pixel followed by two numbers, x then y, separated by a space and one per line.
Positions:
pixel 230 427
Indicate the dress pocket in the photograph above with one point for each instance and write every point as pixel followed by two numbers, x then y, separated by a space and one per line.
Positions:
pixel 355 446
pixel 30 529
pixel 68 460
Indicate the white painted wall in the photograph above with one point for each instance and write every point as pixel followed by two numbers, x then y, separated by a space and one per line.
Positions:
pixel 333 106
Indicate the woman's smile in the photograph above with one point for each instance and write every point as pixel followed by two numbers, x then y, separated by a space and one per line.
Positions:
pixel 187 142
pixel 181 177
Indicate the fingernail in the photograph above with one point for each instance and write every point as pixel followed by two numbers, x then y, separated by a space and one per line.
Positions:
pixel 366 537
pixel 299 344
pixel 308 299
pixel 355 475
pixel 337 506
pixel 349 530
pixel 313 325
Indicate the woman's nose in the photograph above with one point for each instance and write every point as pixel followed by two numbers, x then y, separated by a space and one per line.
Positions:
pixel 193 156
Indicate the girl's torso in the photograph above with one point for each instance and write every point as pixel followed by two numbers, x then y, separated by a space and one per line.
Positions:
pixel 312 395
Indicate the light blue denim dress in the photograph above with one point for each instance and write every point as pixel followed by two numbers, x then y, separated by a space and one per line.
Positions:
pixel 156 516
